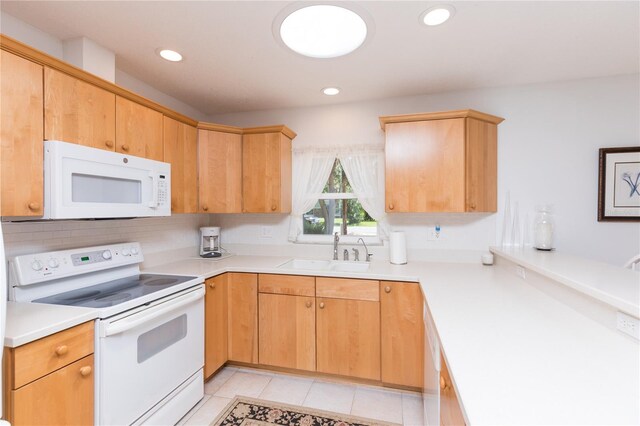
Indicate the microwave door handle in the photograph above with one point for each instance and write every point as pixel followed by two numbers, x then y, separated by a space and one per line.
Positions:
pixel 150 314
pixel 154 188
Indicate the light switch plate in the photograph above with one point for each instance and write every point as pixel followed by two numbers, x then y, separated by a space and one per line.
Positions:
pixel 267 232
pixel 628 325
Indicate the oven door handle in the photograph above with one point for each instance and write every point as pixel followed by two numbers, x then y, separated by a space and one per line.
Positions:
pixel 150 314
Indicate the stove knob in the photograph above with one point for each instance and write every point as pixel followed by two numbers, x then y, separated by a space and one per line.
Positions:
pixel 106 255
pixel 53 263
pixel 36 265
pixel 126 252
pixel 134 251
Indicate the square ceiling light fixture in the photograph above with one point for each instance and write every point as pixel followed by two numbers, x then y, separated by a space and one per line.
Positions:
pixel 322 30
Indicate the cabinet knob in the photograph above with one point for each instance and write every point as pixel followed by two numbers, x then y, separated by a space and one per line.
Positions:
pixel 273 207
pixel 205 207
pixel 321 305
pixel 85 371
pixel 34 207
pixel 390 206
pixel 109 144
pixel 125 148
pixel 387 289
pixel 61 350
pixel 443 384
pixel 212 285
pixel 472 206
pixel 308 304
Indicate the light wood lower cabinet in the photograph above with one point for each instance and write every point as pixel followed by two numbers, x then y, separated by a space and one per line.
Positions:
pixel 402 329
pixel 215 324
pixel 243 317
pixel 21 132
pixel 50 381
pixel 287 331
pixel 348 337
pixel 450 411
pixel 64 397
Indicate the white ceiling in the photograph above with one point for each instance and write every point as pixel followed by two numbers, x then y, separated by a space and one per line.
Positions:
pixel 233 63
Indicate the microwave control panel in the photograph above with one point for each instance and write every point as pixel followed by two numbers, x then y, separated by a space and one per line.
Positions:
pixel 163 197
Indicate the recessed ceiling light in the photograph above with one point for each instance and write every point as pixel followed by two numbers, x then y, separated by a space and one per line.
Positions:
pixel 331 91
pixel 170 55
pixel 437 15
pixel 323 31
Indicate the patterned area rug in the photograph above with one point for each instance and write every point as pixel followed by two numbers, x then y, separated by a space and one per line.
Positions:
pixel 244 411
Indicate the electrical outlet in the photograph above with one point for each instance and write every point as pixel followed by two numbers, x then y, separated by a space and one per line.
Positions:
pixel 628 325
pixel 267 232
pixel 434 233
pixel 521 272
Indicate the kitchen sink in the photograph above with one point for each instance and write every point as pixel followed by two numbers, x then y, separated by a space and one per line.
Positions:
pixel 325 265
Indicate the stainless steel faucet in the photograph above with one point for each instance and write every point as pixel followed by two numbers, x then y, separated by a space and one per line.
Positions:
pixel 368 255
pixel 336 238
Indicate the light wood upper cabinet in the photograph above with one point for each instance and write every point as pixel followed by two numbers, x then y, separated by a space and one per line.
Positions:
pixel 348 337
pixel 402 329
pixel 220 171
pixel 441 162
pixel 287 331
pixel 215 324
pixel 181 151
pixel 266 169
pixel 78 112
pixel 21 133
pixel 138 130
pixel 450 410
pixel 242 292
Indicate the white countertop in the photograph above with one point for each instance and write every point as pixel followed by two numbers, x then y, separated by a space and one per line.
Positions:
pixel 612 285
pixel 27 322
pixel 516 355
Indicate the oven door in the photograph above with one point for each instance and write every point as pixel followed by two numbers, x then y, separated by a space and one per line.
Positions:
pixel 145 355
pixel 83 182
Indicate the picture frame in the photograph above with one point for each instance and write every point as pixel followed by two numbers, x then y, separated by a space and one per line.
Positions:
pixel 619 184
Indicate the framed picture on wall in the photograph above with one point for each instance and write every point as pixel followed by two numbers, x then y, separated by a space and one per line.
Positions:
pixel 619 184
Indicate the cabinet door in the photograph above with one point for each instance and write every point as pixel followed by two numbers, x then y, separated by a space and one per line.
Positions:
pixel 287 331
pixel 181 151
pixel 348 337
pixel 78 112
pixel 215 324
pixel 482 166
pixel 450 411
pixel 220 172
pixel 138 130
pixel 425 166
pixel 64 397
pixel 266 173
pixel 402 331
pixel 21 136
pixel 243 317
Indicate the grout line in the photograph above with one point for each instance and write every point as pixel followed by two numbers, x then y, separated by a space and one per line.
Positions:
pixel 222 384
pixel 306 395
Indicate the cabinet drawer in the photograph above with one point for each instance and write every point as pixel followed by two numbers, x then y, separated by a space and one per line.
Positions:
pixel 295 285
pixel 36 359
pixel 345 288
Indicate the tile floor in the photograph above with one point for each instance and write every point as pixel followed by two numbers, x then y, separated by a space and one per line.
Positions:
pixel 359 400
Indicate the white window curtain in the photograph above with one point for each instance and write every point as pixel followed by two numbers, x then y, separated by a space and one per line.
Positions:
pixel 364 167
pixel 310 171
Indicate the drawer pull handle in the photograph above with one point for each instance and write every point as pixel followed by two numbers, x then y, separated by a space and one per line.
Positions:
pixel 387 289
pixel 212 286
pixel 34 207
pixel 61 350
pixel 321 305
pixel 85 371
pixel 308 304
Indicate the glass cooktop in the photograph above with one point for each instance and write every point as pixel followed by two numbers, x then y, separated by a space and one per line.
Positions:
pixel 115 292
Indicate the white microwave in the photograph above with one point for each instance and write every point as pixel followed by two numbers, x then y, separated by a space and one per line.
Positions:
pixel 89 183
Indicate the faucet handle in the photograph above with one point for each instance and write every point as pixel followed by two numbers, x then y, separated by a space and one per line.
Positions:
pixel 356 254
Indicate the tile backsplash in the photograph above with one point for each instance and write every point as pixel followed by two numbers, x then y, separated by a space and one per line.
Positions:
pixel 156 234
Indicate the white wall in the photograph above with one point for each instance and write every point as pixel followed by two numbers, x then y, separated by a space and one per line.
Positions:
pixel 548 153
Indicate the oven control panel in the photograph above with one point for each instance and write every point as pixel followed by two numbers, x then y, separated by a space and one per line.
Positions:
pixel 40 267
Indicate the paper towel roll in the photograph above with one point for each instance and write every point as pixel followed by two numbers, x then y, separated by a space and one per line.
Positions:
pixel 397 248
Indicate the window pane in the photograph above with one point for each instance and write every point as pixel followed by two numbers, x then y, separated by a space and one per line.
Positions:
pixel 337 181
pixel 346 217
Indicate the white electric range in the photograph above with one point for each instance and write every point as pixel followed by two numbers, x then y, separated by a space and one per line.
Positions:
pixel 149 335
